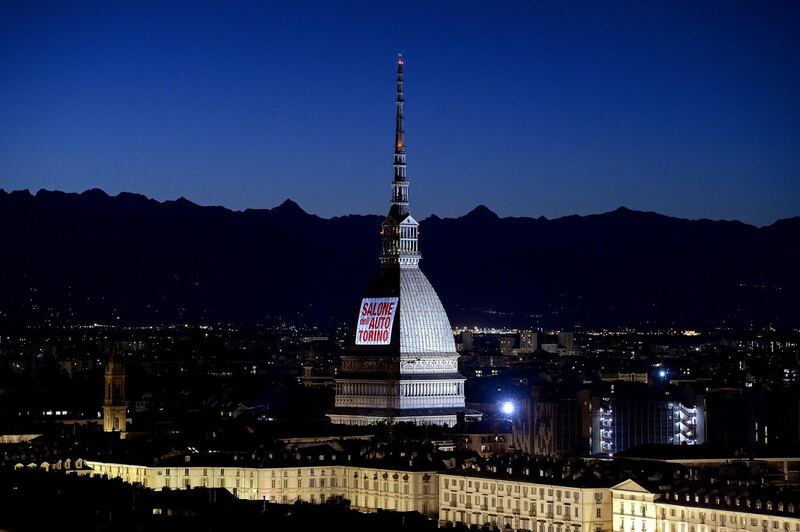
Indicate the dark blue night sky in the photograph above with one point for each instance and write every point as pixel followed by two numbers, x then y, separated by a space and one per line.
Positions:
pixel 531 107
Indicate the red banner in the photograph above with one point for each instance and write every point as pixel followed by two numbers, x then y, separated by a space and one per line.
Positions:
pixel 375 320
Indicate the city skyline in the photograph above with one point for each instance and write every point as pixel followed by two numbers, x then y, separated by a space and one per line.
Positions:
pixel 529 108
pixel 177 365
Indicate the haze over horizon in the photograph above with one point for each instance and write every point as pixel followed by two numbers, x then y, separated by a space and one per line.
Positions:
pixel 531 108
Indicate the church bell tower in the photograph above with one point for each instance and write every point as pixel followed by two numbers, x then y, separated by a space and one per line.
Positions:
pixel 114 407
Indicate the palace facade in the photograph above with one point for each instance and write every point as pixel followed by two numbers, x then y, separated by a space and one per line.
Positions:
pixel 526 500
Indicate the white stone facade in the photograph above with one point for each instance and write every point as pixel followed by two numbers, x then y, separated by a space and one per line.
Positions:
pixel 523 505
pixel 468 499
pixel 367 488
pixel 637 509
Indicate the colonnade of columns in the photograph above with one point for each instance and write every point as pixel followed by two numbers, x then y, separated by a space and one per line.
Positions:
pixel 408 389
pixel 361 388
pixel 427 389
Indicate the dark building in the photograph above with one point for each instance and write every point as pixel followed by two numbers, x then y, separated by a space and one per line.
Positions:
pixel 549 424
pixel 607 418
pixel 753 416
pixel 626 415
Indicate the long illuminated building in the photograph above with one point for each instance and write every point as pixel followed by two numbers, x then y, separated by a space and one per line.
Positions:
pixel 530 499
pixel 401 364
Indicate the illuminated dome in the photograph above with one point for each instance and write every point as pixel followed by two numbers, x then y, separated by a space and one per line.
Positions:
pixel 421 326
pixel 424 326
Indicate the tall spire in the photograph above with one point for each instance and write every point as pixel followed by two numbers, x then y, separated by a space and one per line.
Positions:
pixel 399 142
pixel 399 230
pixel 399 184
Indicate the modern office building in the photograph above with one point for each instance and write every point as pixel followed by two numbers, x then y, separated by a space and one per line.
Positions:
pixel 548 425
pixel 625 421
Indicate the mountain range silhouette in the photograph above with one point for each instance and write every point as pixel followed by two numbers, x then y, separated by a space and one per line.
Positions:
pixel 91 257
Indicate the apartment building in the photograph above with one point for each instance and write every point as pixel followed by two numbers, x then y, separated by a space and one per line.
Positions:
pixel 314 479
pixel 709 507
pixel 536 495
pixel 524 503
